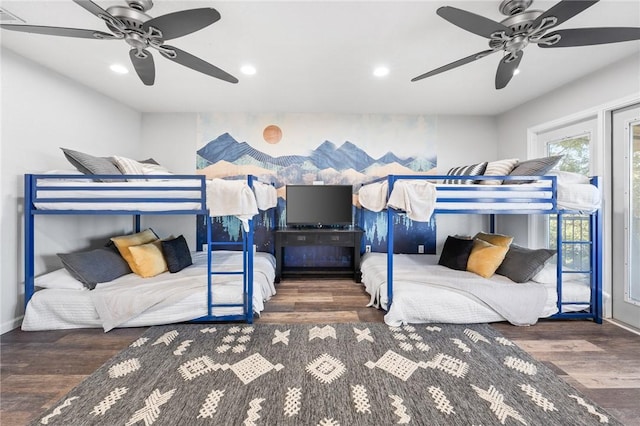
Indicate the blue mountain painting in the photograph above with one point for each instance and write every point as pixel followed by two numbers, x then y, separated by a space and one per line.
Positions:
pixel 333 164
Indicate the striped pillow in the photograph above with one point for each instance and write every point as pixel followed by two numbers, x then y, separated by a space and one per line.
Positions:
pixel 472 170
pixel 128 166
pixel 498 168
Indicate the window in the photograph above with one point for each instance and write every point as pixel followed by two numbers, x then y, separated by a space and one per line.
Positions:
pixel 576 143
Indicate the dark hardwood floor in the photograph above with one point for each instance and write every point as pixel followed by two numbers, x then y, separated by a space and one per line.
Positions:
pixel 602 361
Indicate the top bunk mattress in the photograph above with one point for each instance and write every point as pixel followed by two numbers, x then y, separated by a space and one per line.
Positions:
pixel 162 193
pixel 546 195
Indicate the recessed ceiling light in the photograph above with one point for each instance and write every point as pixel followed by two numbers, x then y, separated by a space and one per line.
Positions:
pixel 516 71
pixel 119 69
pixel 380 71
pixel 248 70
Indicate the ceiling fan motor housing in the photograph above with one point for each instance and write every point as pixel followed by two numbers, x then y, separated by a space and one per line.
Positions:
pixel 142 5
pixel 513 7
pixel 131 18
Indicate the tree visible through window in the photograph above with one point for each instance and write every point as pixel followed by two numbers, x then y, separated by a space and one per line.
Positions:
pixel 575 152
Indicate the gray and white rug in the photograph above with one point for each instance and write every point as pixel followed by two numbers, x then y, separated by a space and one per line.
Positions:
pixel 328 375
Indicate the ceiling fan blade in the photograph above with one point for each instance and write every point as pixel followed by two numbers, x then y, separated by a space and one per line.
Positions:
pixel 471 22
pixel 188 60
pixel 59 31
pixel 564 10
pixel 455 64
pixel 99 12
pixel 144 66
pixel 178 24
pixel 591 36
pixel 506 69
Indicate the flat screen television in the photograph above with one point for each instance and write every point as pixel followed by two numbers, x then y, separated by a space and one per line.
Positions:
pixel 319 205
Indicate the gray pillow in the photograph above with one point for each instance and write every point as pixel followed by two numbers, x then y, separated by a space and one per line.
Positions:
pixel 520 264
pixel 471 170
pixel 90 165
pixel 535 167
pixel 95 266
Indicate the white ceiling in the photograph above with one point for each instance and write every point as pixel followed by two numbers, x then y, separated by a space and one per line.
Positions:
pixel 318 56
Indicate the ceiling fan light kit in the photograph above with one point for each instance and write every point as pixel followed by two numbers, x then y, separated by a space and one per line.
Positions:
pixel 523 27
pixel 141 32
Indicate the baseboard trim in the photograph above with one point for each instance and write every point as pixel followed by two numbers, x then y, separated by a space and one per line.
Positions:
pixel 7 326
pixel 623 325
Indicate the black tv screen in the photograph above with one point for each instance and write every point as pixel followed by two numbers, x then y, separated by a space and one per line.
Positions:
pixel 319 205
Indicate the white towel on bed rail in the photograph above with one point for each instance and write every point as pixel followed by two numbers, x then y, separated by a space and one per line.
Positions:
pixel 231 198
pixel 374 196
pixel 266 195
pixel 417 198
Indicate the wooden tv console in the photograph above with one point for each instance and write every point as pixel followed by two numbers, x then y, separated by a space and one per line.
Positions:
pixel 334 237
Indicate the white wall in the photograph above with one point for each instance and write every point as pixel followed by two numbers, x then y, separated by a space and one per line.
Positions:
pixel 171 139
pixel 464 140
pixel 41 112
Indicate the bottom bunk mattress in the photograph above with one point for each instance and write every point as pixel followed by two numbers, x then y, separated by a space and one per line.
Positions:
pixel 132 301
pixel 425 292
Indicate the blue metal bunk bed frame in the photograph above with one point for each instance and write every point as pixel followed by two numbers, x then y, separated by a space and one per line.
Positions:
pixel 32 196
pixel 595 231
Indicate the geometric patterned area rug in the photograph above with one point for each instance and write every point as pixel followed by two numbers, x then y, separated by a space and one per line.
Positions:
pixel 328 375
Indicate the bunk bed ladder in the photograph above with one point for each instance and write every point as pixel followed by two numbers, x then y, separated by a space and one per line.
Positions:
pixel 594 244
pixel 247 276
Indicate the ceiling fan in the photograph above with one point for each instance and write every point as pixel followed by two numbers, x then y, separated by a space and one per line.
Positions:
pixel 141 32
pixel 522 27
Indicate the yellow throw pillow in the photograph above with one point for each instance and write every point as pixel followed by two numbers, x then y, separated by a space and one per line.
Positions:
pixel 149 259
pixel 125 241
pixel 485 258
pixel 495 239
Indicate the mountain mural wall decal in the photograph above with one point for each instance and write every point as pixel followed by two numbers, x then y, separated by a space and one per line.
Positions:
pixel 328 162
pixel 332 164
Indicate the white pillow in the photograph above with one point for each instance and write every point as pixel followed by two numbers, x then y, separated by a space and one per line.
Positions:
pixel 59 279
pixel 498 168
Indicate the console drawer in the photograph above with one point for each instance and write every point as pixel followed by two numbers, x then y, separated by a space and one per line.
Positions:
pixel 334 238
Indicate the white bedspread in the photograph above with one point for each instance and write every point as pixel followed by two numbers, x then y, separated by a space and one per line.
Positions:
pixel 423 291
pixel 131 301
pixel 231 198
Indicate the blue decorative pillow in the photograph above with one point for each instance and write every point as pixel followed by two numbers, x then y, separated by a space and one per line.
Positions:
pixel 177 254
pixel 95 266
pixel 455 253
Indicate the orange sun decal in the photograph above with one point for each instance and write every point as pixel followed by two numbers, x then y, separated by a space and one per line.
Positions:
pixel 272 134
